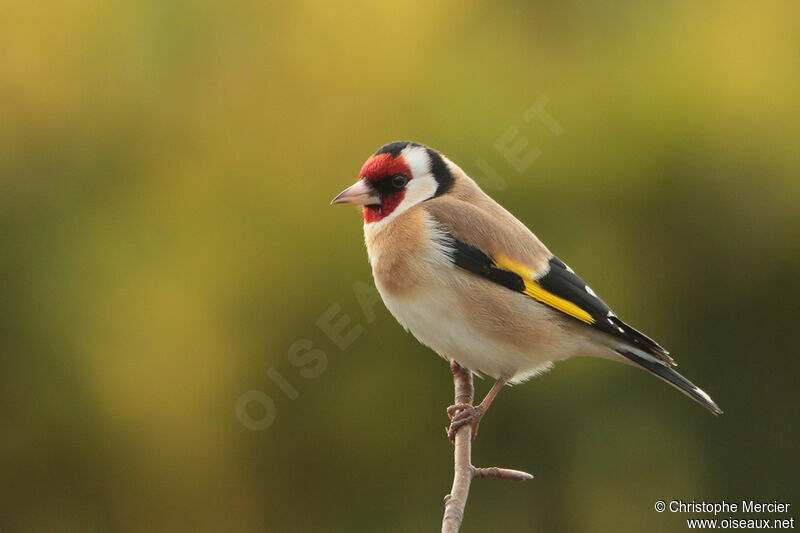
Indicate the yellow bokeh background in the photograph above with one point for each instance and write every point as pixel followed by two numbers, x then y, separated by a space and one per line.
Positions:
pixel 165 173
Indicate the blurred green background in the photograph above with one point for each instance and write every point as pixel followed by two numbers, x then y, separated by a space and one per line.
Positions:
pixel 166 239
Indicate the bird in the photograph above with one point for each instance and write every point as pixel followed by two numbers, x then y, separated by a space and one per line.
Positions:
pixel 473 283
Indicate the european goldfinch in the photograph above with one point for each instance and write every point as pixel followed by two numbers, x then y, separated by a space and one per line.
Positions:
pixel 473 283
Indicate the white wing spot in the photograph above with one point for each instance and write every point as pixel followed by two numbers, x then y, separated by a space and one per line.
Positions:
pixel 702 393
pixel 590 291
pixel 610 314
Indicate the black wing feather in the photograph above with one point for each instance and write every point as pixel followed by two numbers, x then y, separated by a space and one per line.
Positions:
pixel 563 282
pixel 470 258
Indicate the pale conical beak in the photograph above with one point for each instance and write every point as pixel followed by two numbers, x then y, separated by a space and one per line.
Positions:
pixel 361 192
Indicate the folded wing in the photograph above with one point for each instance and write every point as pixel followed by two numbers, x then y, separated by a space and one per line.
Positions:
pixel 556 286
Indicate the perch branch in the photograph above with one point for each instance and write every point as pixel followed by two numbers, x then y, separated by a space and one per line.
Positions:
pixel 464 472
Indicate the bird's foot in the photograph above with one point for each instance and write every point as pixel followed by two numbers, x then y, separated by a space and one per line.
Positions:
pixel 454 409
pixel 463 415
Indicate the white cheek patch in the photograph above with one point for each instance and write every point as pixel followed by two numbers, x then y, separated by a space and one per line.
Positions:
pixel 419 190
pixel 418 160
pixel 422 185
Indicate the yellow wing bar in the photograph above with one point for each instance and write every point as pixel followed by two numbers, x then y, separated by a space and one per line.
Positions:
pixel 537 292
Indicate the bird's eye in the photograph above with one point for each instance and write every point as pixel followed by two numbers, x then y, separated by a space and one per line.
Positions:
pixel 399 181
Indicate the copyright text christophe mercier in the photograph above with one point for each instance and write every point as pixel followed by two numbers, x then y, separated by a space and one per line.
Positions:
pixel 753 514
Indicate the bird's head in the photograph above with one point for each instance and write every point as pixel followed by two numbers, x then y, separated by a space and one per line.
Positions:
pixel 398 176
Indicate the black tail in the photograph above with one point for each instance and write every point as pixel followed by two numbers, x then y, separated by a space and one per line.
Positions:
pixel 674 379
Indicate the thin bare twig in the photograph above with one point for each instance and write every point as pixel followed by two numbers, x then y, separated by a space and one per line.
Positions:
pixel 464 472
pixel 462 478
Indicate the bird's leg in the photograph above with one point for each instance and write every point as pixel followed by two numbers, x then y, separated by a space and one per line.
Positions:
pixel 463 414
